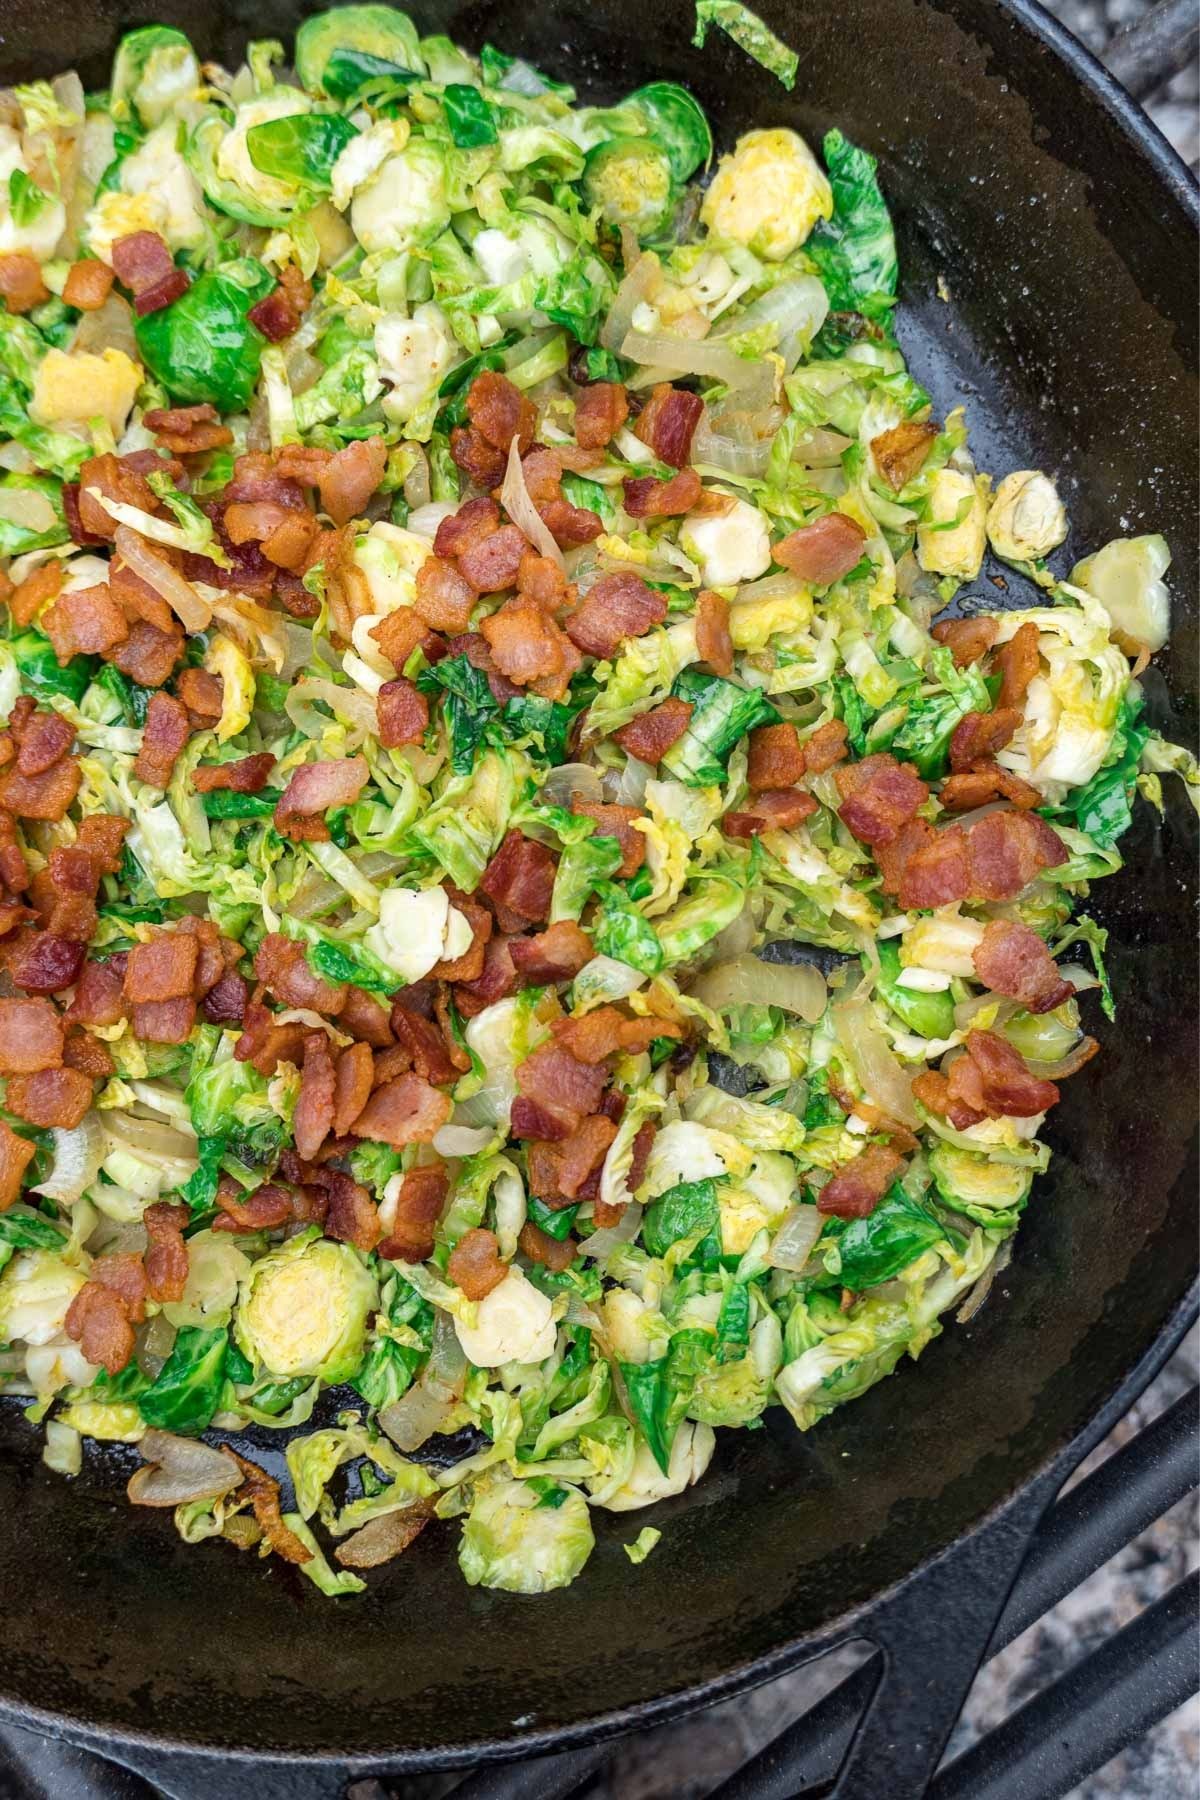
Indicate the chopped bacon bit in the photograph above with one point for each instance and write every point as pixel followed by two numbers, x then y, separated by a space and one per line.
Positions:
pixel 492 565
pixel 879 797
pixel 616 822
pixel 365 1017
pixel 542 469
pixel 72 516
pixel 88 285
pixel 647 498
pixel 900 452
pixel 500 412
pixel 777 809
pixel 14 870
pixel 570 525
pixel 249 775
pixel 556 954
pixel 642 1145
pixel 167 1257
pixel 16 1153
pixel 399 633
pixel 347 482
pixel 46 963
pixel 987 782
pixel 263 1043
pixel 1018 662
pixel 418 1208
pixel 85 621
pixel 50 1097
pixel 519 881
pixel 164 1021
pixel 314 1108
pixel 42 740
pixel 263 1210
pixel 187 430
pixel 225 1001
pixel 87 1054
pixel 553 1077
pixel 31 1037
pixel 420 1046
pixel 856 1189
pixel 601 409
pixel 313 789
pixel 163 968
pixel 352 1215
pixel 113 479
pixel 464 530
pixel 444 602
pixel 251 521
pixel 148 655
pixel 275 316
pixel 468 966
pixel 99 996
pixel 1011 959
pixel 264 1501
pixel 479 461
pixel 527 646
pixel 497 980
pixel 579 1154
pixel 27 599
pixel 933 1091
pixel 289 544
pixel 403 713
pixel 593 1037
pixel 824 551
pixel 257 477
pixel 103 837
pixel 141 260
pixel 541 1164
pixel 978 736
pixel 927 868
pixel 1008 850
pixel 21 281
pixel 352 1086
pixel 408 1110
pixel 993 1079
pixel 163 292
pixel 776 758
pixel 714 645
pixel 553 1253
pixel 617 607
pixel 651 734
pixel 475 1264
pixel 99 1322
pixel 166 731
pixel 540 579
pixel 45 796
pixel 202 693
pixel 281 965
pixel 668 421
pixel 968 640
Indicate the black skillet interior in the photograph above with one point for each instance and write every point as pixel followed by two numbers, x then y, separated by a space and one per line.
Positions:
pixel 1070 336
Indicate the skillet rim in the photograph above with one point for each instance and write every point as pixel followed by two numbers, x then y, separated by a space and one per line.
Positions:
pixel 1179 181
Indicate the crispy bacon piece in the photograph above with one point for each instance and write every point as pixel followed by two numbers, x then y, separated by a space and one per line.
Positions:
pixel 351 476
pixel 444 602
pixel 263 1210
pixel 987 782
pixel 616 822
pixel 1008 850
pixel 993 1079
pixel 553 1253
pixel 1018 662
pixel 593 1037
pixel 289 544
pixel 491 565
pixel 252 521
pixel 776 758
pixel 187 430
pixel 27 599
pixel 500 412
pixel 43 739
pixel 314 1108
pixel 582 1152
pixel 475 1263
pixel 99 1322
pixel 519 881
pixel 552 1077
pixel 31 1036
pixel 1011 959
pixel 148 655
pixel 646 498
pixel 163 968
pixel 281 965
pixel 668 423
pixel 408 1110
pixel 141 260
pixel 497 979
pixel 968 640
pixel 479 461
pixel 249 775
pixel 265 1044
pixel 352 1216
pixel 527 647
pixel 16 1153
pixel 164 1021
pixel 366 1018
pixel 399 633
pixel 418 1208
pixel 79 534
pixel 420 1041
pixel 87 1054
pixel 14 870
pixel 556 954
pixel 99 996
pixel 113 479
pixel 45 796
pixel 166 1257
pixel 88 285
pixel 540 579
pixel 651 734
pixel 618 607
pixel 49 1097
pixel 879 797
pixel 46 963
pixel 166 732
pixel 542 1170
pixel 900 452
pixel 275 315
pixel 313 789
pixel 155 298
pixel 821 553
pixel 856 1189
pixel 464 530
pixel 85 622
pixel 264 1501
pixel 776 809
pixel 403 713
pixel 932 1089
pixel 353 1077
pixel 601 409
pixel 978 736
pixel 714 645
pixel 202 693
pixel 225 1001
pixel 21 281
pixel 259 478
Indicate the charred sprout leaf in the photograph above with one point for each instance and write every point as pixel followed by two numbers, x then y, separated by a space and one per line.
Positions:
pixel 301 147
pixel 750 34
pixel 855 251
pixel 469 116
pixel 187 1391
pixel 203 348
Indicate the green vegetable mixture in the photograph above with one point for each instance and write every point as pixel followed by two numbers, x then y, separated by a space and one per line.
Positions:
pixel 629 1181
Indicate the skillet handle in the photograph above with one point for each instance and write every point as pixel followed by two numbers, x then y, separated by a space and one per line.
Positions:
pixel 932 1636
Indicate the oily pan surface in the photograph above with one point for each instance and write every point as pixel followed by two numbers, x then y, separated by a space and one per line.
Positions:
pixel 1070 338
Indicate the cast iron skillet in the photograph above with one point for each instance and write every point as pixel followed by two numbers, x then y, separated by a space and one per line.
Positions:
pixel 1063 227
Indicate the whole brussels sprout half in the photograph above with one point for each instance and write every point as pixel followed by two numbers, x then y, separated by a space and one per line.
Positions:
pixel 524 1541
pixel 303 1310
pixel 154 69
pixel 679 124
pixel 991 1193
pixel 630 180
pixel 1026 518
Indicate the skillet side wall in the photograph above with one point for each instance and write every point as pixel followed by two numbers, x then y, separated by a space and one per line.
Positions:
pixel 1071 339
